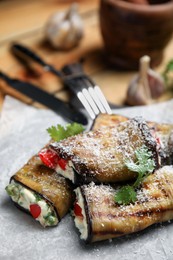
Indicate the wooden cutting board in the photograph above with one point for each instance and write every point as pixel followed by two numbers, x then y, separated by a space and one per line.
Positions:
pixel 24 22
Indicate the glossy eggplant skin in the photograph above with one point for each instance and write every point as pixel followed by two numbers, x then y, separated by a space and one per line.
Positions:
pixel 100 155
pixel 47 183
pixel 107 220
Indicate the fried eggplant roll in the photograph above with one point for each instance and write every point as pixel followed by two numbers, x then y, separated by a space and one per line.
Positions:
pixel 39 191
pixel 98 217
pixel 162 132
pixel 100 155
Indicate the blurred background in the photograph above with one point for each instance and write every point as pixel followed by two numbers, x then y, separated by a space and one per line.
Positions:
pixel 25 22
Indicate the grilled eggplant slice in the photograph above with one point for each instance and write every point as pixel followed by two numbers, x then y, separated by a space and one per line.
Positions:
pixel 163 133
pixel 39 191
pixel 100 155
pixel 98 217
pixel 103 120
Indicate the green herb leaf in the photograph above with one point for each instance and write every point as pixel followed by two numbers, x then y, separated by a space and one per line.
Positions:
pixel 143 166
pixel 59 132
pixel 37 197
pixel 125 195
pixel 144 163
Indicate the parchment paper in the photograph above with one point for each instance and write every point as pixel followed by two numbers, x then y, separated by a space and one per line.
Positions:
pixel 22 134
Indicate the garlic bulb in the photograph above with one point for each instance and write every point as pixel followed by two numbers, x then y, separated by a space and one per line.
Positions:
pixel 145 86
pixel 65 29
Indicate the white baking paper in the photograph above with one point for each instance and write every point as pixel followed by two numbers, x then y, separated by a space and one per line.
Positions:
pixel 22 134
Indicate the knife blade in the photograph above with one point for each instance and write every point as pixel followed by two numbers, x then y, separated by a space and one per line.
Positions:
pixel 46 99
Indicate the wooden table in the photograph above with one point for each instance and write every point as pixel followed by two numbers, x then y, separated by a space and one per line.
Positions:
pixel 24 22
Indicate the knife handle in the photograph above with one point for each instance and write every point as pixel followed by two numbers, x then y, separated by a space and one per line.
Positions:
pixel 24 52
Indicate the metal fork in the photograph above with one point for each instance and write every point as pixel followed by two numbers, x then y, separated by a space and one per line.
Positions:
pixel 74 78
pixel 89 94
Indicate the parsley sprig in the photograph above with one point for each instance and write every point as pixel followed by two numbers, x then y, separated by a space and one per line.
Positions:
pixel 59 132
pixel 144 165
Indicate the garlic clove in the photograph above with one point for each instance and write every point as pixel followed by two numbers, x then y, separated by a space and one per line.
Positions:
pixel 146 86
pixel 64 29
pixel 156 83
pixel 136 93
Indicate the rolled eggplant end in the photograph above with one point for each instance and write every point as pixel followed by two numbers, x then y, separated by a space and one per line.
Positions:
pixel 53 160
pixel 151 141
pixel 68 173
pixel 80 215
pixel 32 203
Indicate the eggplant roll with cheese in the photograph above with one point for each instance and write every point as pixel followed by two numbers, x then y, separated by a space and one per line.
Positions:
pixel 39 191
pixel 162 132
pixel 100 155
pixel 99 217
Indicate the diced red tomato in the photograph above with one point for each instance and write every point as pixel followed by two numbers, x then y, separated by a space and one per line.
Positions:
pixel 49 158
pixel 77 210
pixel 35 210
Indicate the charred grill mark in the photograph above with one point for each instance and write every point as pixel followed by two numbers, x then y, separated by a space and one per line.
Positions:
pixel 139 214
pixel 160 188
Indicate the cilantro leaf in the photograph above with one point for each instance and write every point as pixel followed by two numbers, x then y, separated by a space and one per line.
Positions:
pixel 59 132
pixel 125 195
pixel 74 129
pixel 143 166
pixel 144 163
pixel 138 180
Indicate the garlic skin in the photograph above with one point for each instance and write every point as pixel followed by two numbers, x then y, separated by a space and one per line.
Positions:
pixel 156 83
pixel 146 86
pixel 64 29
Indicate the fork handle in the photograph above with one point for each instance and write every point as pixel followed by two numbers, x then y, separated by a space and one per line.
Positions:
pixel 74 68
pixel 73 77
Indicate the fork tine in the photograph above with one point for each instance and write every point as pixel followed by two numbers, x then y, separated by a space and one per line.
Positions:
pixel 100 96
pixel 86 105
pixel 91 92
pixel 86 90
pixel 90 100
pixel 103 99
pixel 96 99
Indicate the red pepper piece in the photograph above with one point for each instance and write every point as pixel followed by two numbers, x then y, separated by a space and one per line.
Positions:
pixel 62 163
pixel 49 158
pixel 35 210
pixel 77 210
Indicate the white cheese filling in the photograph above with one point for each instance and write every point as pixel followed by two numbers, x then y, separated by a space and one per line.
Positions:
pixel 68 172
pixel 25 197
pixel 81 223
